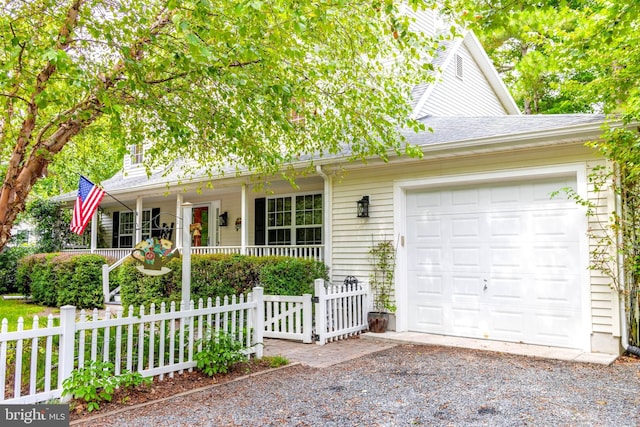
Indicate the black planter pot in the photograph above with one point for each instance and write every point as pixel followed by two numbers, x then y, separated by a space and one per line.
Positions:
pixel 378 321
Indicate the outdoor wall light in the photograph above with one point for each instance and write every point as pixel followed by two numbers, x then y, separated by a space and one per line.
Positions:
pixel 363 207
pixel 238 223
pixel 223 219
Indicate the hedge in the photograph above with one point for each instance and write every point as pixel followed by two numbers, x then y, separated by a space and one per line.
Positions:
pixel 219 275
pixel 57 279
pixel 9 258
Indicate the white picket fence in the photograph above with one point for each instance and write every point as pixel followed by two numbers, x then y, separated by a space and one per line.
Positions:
pixel 163 342
pixel 136 342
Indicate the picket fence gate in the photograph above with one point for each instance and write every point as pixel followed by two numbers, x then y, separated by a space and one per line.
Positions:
pixel 336 312
pixel 163 342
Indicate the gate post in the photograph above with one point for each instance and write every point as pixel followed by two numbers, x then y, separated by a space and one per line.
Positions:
pixel 307 319
pixel 321 311
pixel 258 321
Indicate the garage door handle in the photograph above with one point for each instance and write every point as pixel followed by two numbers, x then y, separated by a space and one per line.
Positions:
pixel 485 285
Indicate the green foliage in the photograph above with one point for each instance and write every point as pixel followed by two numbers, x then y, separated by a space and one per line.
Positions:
pixel 276 361
pixel 9 258
pixel 219 275
pixel 290 276
pixel 220 352
pixel 216 82
pixel 383 263
pixel 59 279
pixel 97 383
pixel 82 279
pixel 51 221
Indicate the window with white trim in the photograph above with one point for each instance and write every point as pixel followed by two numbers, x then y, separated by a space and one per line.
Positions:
pixel 294 220
pixel 137 153
pixel 127 228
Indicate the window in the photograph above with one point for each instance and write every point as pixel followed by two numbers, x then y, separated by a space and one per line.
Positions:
pixel 459 66
pixel 136 151
pixel 294 220
pixel 127 228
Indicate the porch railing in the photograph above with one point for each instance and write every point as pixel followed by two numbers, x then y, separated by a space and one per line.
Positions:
pixel 315 252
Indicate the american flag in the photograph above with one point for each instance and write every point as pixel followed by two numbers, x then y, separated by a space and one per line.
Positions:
pixel 89 197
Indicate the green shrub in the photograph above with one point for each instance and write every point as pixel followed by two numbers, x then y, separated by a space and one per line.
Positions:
pixel 82 279
pixel 219 353
pixel 219 275
pixel 97 383
pixel 9 258
pixel 43 286
pixel 290 276
pixel 59 279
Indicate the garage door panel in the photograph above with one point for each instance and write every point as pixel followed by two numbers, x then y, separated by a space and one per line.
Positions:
pixel 513 238
pixel 430 317
pixel 428 286
pixel 507 324
pixel 466 259
pixel 462 286
pixel 506 290
pixel 426 258
pixel 465 197
pixel 554 260
pixel 506 225
pixel 466 320
pixel 427 228
pixel 507 258
pixel 465 227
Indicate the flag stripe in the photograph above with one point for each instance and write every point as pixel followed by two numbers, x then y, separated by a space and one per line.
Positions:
pixel 89 197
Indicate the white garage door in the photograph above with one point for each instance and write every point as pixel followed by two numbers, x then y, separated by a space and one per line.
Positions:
pixel 497 261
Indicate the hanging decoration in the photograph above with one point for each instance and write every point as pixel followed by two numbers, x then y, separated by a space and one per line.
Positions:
pixel 153 253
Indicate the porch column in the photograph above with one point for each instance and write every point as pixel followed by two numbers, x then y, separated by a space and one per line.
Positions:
pixel 244 214
pixel 94 231
pixel 179 219
pixel 138 221
pixel 327 235
pixel 187 211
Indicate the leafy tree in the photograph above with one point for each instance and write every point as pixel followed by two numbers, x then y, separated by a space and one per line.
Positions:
pixel 216 81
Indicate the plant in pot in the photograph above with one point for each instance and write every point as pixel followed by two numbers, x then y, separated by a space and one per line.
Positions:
pixel 383 263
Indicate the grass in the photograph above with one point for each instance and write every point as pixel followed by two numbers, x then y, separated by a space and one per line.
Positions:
pixel 14 309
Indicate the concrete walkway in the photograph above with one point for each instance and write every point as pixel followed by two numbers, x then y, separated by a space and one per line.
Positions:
pixel 322 356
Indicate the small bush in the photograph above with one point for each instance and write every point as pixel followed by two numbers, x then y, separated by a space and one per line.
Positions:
pixel 59 279
pixel 220 352
pixel 97 383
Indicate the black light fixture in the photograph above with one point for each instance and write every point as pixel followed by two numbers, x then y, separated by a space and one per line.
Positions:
pixel 222 219
pixel 363 207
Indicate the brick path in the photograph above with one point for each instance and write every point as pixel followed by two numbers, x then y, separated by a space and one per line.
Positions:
pixel 322 356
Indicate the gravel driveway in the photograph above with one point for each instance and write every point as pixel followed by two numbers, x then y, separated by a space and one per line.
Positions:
pixel 412 385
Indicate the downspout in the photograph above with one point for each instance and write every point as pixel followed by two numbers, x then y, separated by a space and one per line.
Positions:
pixel 328 231
pixel 624 339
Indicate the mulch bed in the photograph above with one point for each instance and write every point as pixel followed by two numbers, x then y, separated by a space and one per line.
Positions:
pixel 168 387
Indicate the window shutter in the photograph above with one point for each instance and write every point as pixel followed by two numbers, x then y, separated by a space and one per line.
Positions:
pixel 116 230
pixel 260 219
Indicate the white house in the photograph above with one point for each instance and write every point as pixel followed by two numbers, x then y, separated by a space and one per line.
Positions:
pixel 483 250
